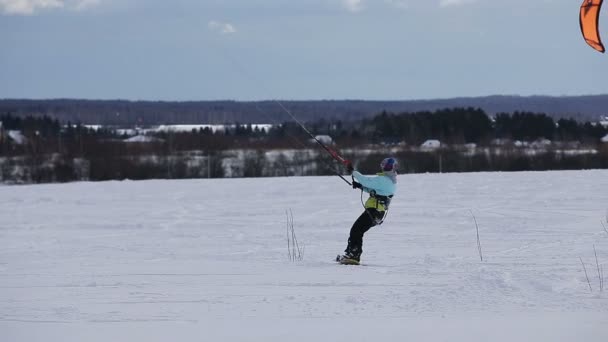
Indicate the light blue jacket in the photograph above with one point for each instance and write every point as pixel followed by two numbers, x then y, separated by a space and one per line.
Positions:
pixel 384 184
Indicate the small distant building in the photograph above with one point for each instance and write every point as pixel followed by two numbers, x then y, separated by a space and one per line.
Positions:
pixel 17 137
pixel 431 144
pixel 325 139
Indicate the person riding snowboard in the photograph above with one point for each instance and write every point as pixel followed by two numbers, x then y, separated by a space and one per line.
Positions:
pixel 381 189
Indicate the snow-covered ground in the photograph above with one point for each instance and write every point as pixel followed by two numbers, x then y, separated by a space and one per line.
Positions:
pixel 179 128
pixel 206 260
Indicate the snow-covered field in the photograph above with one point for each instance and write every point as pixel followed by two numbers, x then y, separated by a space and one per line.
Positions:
pixel 206 260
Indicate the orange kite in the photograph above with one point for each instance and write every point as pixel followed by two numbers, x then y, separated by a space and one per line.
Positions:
pixel 589 19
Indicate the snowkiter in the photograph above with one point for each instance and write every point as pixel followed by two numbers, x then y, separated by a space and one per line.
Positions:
pixel 381 189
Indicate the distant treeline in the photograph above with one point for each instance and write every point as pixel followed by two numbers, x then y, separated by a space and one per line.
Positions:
pixel 450 126
pixel 120 112
pixel 471 125
pixel 52 151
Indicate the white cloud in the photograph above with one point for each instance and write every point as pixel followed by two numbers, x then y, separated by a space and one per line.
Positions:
pixel 448 3
pixel 353 5
pixel 29 7
pixel 221 27
pixel 25 7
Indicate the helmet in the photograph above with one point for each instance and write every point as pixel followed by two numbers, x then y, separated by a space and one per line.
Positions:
pixel 389 164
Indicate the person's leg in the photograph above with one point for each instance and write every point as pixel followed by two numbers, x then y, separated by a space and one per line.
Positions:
pixel 355 241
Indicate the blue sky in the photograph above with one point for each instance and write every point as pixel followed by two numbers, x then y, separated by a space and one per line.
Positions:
pixel 295 50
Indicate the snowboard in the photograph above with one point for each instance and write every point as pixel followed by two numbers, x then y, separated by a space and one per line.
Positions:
pixel 346 261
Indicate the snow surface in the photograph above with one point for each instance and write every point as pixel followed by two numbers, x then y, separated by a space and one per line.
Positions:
pixel 179 128
pixel 206 260
pixel 142 139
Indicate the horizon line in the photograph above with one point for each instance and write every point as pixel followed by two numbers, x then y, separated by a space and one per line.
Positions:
pixel 302 100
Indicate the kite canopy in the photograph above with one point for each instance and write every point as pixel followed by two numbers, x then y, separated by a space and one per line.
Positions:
pixel 589 19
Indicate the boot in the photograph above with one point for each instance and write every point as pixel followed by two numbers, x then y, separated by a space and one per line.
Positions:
pixel 352 253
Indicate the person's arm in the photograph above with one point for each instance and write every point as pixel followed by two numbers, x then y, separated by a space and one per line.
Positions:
pixel 367 183
pixel 378 184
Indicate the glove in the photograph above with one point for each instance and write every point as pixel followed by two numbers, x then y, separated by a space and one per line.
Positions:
pixel 357 185
pixel 349 167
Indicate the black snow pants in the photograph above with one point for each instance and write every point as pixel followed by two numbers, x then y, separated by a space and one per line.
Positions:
pixel 369 218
